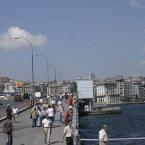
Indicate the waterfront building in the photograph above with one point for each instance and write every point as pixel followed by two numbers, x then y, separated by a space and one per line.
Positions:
pixel 106 93
pixel 120 87
pixel 137 90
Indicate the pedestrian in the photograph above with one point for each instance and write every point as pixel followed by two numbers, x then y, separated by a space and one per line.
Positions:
pixel 34 117
pixel 15 111
pixel 8 129
pixel 47 127
pixel 61 112
pixel 50 113
pixel 103 137
pixel 68 134
pixel 39 117
pixel 9 111
pixel 68 115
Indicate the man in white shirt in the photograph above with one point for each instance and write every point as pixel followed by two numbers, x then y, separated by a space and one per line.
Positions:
pixel 68 134
pixel 46 126
pixel 50 113
pixel 15 111
pixel 103 137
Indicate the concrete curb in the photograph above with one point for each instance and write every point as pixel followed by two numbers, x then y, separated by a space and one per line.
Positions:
pixel 20 111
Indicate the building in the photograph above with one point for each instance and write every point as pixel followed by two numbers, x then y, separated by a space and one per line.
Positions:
pixel 9 88
pixel 137 90
pixel 55 88
pixel 107 93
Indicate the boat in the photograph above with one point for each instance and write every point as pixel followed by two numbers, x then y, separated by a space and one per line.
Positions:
pixel 100 110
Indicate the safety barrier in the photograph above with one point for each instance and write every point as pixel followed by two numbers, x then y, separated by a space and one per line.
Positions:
pixel 75 122
pixel 21 110
pixel 114 139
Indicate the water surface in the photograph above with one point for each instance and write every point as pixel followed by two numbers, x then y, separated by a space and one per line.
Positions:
pixel 130 123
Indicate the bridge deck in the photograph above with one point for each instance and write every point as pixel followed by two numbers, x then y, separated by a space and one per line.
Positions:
pixel 24 134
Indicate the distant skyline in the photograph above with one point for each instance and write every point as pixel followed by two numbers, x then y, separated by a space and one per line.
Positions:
pixel 106 37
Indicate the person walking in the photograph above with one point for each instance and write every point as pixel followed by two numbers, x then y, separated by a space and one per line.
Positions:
pixel 15 111
pixel 7 129
pixel 68 134
pixel 61 112
pixel 9 111
pixel 47 127
pixel 34 117
pixel 103 137
pixel 50 113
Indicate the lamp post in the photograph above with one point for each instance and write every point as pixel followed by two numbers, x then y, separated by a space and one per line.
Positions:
pixel 32 99
pixel 54 68
pixel 47 66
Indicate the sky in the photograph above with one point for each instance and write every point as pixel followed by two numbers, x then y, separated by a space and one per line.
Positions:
pixel 106 37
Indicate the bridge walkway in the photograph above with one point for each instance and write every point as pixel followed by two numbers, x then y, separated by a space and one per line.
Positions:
pixel 24 134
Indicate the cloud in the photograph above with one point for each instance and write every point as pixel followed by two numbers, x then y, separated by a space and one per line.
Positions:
pixel 140 4
pixel 8 42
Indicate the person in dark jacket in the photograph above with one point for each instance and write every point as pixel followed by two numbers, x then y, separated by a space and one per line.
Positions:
pixel 8 129
pixel 9 112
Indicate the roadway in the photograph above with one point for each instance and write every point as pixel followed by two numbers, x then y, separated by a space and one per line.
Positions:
pixel 11 101
pixel 24 134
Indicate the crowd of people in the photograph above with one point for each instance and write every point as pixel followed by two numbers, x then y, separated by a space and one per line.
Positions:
pixel 42 115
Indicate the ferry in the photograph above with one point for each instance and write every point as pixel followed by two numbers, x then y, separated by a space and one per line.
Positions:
pixel 100 109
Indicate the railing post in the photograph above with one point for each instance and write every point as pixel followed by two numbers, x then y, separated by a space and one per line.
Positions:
pixel 78 139
pixel 76 126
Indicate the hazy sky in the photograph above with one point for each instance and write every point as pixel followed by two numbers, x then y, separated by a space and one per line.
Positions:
pixel 106 37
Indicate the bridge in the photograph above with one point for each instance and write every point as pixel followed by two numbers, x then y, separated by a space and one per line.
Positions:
pixel 24 134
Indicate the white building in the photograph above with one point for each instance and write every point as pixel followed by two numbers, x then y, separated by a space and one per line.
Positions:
pixel 137 90
pixel 106 93
pixel 9 88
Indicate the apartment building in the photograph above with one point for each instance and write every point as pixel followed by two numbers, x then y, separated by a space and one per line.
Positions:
pixel 107 93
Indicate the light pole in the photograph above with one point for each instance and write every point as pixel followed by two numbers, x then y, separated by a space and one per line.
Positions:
pixel 32 99
pixel 54 68
pixel 47 66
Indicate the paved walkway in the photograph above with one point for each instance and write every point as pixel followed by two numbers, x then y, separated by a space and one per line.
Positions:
pixel 24 134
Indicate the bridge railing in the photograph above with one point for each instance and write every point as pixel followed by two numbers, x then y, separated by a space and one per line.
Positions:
pixel 75 122
pixel 111 140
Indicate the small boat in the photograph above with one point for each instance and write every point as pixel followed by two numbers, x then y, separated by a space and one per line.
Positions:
pixel 101 111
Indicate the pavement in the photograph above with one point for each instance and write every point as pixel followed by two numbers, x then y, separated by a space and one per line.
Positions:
pixel 24 134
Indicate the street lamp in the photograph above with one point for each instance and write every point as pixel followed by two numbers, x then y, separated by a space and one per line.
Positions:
pixel 32 100
pixel 47 65
pixel 54 68
pixel 48 91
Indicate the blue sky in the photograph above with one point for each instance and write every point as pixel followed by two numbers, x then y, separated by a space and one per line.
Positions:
pixel 106 37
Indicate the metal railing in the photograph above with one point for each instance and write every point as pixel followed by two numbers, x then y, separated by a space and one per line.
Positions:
pixel 76 125
pixel 78 140
pixel 114 139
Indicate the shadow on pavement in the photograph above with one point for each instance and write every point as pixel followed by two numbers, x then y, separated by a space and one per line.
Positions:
pixel 23 127
pixel 55 142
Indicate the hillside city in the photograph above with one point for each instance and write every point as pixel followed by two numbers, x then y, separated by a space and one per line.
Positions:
pixel 111 90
